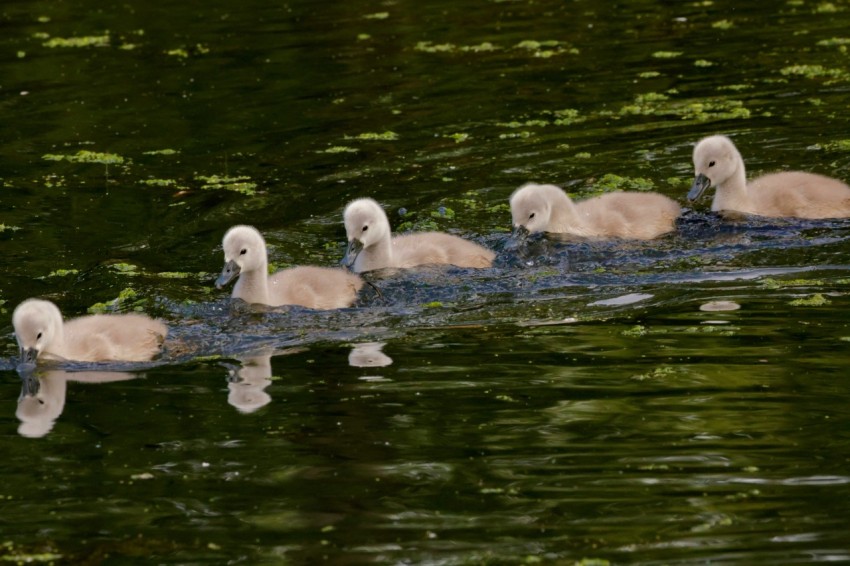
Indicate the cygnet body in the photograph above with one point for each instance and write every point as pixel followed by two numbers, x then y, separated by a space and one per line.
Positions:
pixel 628 215
pixel 41 333
pixel 245 257
pixel 371 244
pixel 718 163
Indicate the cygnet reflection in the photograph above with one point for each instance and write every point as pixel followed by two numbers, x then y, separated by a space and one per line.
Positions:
pixel 369 355
pixel 248 381
pixel 43 395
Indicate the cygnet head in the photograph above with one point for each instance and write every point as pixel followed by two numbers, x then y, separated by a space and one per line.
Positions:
pixel 531 208
pixel 716 159
pixel 38 324
pixel 244 250
pixel 365 225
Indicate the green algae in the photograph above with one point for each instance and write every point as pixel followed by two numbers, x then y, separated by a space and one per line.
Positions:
pixel 459 137
pixel 159 182
pixel 816 300
pixel 703 63
pixel 649 74
pixel 240 184
pixel 658 104
pixel 816 72
pixel 610 182
pixel 375 136
pixel 8 228
pixel 377 16
pixel 85 156
pixel 128 299
pixel 723 24
pixel 660 372
pixel 541 49
pixel 340 149
pixel 85 41
pixel 834 42
pixel 774 284
pixel 127 269
pixel 63 272
pixel 166 151
pixel 837 145
pixel 667 54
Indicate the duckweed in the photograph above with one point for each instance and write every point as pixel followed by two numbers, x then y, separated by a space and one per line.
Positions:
pixel 166 151
pixel 128 299
pixel 158 182
pixel 240 184
pixel 377 16
pixel 837 145
pixel 340 149
pixel 723 24
pixel 816 72
pixel 773 284
pixel 610 182
pixel 85 156
pixel 816 300
pixel 63 272
pixel 373 136
pixel 8 228
pixel 666 54
pixel 85 41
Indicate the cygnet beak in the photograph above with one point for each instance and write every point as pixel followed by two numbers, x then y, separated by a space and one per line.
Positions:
pixel 231 270
pixel 29 355
pixel 29 384
pixel 355 246
pixel 520 232
pixel 701 183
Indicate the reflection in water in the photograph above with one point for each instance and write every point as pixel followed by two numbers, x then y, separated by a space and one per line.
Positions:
pixel 43 396
pixel 248 382
pixel 368 355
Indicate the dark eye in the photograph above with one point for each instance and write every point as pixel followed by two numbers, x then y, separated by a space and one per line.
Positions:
pixel 243 252
pixel 38 337
pixel 530 216
pixel 365 228
pixel 711 163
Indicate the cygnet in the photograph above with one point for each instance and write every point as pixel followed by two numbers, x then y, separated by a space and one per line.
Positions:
pixel 371 245
pixel 718 163
pixel 245 257
pixel 628 215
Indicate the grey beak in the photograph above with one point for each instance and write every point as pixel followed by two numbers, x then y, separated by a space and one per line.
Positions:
pixel 29 355
pixel 520 232
pixel 355 246
pixel 701 183
pixel 231 270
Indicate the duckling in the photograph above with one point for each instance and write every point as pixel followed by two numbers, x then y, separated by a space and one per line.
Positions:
pixel 631 215
pixel 41 333
pixel 795 194
pixel 371 244
pixel 245 256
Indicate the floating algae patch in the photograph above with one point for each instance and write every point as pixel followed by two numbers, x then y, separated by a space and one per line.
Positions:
pixel 375 136
pixel 63 272
pixel 657 104
pixel 85 41
pixel 166 151
pixel 85 156
pixel 723 24
pixel 128 299
pixel 837 145
pixel 159 182
pixel 773 284
pixel 340 149
pixel 542 49
pixel 125 269
pixel 816 72
pixel 816 300
pixel 666 54
pixel 240 184
pixel 8 228
pixel 610 182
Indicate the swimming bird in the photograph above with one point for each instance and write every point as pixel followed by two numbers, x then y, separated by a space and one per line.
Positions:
pixel 371 244
pixel 41 333
pixel 245 257
pixel 631 215
pixel 718 163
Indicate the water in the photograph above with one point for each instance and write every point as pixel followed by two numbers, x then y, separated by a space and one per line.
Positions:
pixel 572 403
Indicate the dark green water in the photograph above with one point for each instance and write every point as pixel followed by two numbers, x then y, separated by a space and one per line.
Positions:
pixel 572 403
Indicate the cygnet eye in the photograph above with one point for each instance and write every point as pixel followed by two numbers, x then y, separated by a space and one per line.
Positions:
pixel 530 216
pixel 365 227
pixel 243 252
pixel 38 337
pixel 711 163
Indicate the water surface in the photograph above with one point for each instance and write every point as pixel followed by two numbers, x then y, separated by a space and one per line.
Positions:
pixel 571 403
